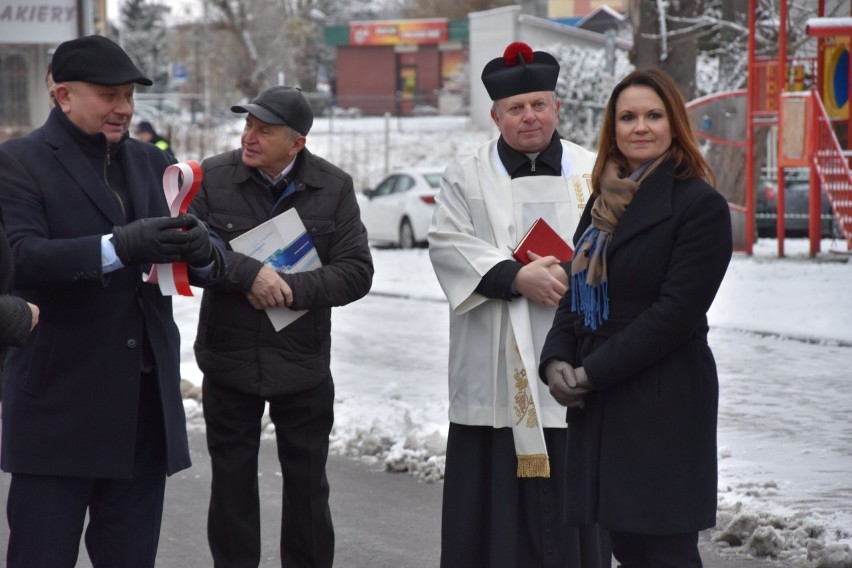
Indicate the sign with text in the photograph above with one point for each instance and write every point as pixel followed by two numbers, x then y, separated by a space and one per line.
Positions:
pixel 394 32
pixel 38 21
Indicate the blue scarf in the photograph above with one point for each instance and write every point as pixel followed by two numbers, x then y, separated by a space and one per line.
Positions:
pixel 588 296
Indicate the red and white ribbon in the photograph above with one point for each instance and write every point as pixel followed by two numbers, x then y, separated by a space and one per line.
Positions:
pixel 180 184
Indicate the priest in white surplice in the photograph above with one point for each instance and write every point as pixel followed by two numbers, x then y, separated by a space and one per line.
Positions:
pixel 505 466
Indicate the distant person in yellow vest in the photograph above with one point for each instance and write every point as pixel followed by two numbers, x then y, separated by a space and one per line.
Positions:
pixel 145 132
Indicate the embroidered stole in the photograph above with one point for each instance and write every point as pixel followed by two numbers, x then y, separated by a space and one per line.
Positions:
pixel 521 359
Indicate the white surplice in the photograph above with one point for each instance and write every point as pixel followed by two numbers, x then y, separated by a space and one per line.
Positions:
pixel 481 214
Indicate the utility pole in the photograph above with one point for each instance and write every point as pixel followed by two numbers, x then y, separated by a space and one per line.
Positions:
pixel 85 18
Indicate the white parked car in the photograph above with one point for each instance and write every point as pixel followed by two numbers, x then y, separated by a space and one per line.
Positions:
pixel 399 209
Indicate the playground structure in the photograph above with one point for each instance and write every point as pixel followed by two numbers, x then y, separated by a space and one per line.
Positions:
pixel 807 122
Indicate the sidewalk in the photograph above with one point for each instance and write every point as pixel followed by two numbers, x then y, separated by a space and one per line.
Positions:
pixel 382 520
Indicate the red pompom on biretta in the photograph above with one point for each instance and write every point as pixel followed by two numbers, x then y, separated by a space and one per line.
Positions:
pixel 517 52
pixel 520 70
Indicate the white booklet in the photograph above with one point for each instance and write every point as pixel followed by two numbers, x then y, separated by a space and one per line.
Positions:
pixel 283 244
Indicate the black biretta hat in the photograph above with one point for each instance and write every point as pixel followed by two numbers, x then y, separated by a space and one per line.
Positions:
pixel 95 59
pixel 520 70
pixel 281 105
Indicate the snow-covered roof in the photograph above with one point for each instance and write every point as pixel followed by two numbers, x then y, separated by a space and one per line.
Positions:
pixel 597 12
pixel 825 27
pixel 590 36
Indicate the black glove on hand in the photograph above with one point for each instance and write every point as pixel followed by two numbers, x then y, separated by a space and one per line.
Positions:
pixel 199 249
pixel 154 240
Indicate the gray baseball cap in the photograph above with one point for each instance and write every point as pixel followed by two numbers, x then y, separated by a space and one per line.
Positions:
pixel 281 105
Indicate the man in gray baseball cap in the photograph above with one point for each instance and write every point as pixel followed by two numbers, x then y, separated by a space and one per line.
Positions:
pixel 245 361
pixel 281 105
pixel 93 418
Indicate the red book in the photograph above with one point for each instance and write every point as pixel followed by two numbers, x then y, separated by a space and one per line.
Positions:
pixel 544 241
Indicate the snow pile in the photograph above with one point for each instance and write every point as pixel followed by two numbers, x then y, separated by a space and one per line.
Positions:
pixel 794 539
pixel 393 438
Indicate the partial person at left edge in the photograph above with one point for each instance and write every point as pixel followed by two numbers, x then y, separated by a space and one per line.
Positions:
pixel 93 419
pixel 17 316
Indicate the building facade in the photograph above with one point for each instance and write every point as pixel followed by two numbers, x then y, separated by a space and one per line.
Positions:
pixel 29 32
pixel 402 67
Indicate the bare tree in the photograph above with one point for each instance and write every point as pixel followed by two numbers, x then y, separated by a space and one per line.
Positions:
pixel 276 40
pixel 661 40
pixel 669 35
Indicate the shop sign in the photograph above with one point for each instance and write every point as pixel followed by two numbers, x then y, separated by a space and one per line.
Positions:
pixel 37 21
pixel 394 32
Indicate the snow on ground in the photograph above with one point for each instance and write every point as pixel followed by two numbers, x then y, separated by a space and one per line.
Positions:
pixel 781 331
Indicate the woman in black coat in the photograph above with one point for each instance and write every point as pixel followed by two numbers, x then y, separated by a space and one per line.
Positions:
pixel 17 316
pixel 628 353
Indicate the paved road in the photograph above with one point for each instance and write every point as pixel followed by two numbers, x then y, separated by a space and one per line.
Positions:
pixel 382 520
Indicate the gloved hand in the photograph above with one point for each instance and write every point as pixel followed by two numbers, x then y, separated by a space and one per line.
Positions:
pixel 578 378
pixel 199 249
pixel 154 240
pixel 568 385
pixel 555 371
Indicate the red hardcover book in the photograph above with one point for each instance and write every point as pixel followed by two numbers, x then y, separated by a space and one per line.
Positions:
pixel 544 241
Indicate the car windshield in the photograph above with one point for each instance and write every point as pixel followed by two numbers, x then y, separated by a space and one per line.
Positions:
pixel 434 180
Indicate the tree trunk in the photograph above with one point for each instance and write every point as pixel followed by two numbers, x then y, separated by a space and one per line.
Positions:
pixel 657 44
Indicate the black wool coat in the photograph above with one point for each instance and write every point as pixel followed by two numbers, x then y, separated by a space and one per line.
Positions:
pixel 71 396
pixel 642 453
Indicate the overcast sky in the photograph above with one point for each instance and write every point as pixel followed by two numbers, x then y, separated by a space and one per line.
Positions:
pixel 179 8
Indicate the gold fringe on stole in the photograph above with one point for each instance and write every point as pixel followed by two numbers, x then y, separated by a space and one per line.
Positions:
pixel 533 465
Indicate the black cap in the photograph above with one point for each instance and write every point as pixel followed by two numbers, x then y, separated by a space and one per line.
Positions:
pixel 520 70
pixel 281 105
pixel 95 59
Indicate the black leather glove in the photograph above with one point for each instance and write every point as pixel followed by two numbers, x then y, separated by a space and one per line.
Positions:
pixel 155 240
pixel 199 249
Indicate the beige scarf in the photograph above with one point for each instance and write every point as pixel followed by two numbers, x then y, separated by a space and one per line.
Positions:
pixel 588 269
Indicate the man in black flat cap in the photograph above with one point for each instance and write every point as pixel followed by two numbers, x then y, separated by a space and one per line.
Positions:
pixel 246 363
pixel 93 419
pixel 505 474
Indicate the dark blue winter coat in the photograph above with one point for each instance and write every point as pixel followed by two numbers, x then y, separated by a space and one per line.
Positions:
pixel 71 396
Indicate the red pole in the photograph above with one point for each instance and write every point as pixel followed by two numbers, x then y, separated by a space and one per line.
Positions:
pixel 814 138
pixel 750 105
pixel 782 77
pixel 814 198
